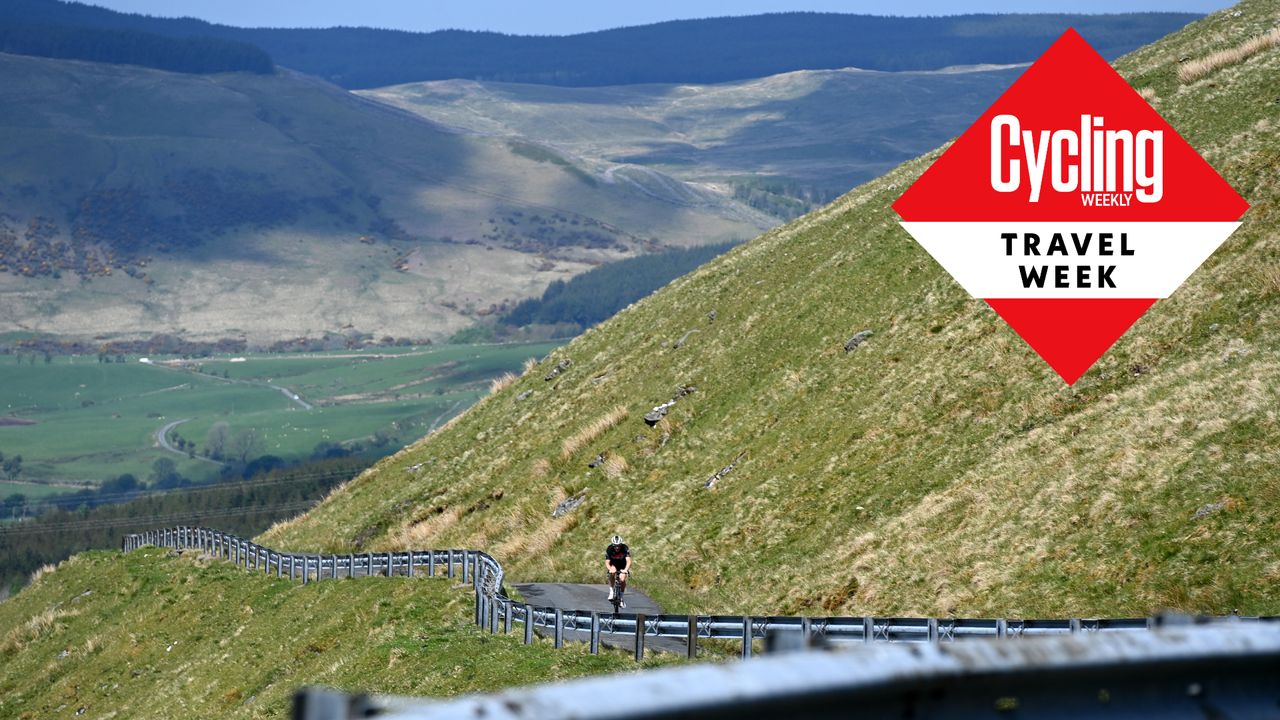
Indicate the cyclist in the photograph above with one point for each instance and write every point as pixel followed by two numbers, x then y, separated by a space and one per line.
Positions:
pixel 617 561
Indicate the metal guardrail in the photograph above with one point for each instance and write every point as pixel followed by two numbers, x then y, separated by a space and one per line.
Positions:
pixel 474 567
pixel 1218 671
pixel 499 613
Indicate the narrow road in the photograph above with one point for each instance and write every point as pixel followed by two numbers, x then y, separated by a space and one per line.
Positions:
pixel 162 439
pixel 573 596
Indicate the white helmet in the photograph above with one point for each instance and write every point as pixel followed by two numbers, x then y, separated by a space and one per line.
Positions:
pixel 616 540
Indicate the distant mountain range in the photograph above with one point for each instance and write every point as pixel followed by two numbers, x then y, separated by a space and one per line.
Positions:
pixel 234 196
pixel 699 51
pixel 784 144
pixel 272 206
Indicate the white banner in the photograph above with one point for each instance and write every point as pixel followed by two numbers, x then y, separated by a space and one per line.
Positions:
pixel 1070 259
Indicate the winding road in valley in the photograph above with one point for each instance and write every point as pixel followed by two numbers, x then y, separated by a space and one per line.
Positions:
pixel 162 439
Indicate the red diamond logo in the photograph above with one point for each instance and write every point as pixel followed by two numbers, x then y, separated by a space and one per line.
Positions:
pixel 1070 206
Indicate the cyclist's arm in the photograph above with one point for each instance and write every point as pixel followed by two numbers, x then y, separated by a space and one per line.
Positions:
pixel 627 569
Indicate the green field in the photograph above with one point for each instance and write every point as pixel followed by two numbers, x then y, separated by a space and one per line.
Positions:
pixel 94 421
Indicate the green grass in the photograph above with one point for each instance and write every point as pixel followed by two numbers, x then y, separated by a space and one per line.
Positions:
pixel 95 421
pixel 31 490
pixel 146 635
pixel 940 469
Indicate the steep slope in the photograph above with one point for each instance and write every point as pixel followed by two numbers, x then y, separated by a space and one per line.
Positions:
pixel 136 200
pixel 939 468
pixel 807 135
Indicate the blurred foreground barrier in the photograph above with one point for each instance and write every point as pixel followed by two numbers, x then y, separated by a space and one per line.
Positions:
pixel 1221 671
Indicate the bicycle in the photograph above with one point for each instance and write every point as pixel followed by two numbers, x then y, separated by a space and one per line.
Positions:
pixel 616 600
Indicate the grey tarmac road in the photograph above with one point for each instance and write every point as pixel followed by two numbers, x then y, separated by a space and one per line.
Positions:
pixel 572 596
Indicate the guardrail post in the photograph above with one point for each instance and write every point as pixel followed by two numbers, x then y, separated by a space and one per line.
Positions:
pixel 559 632
pixel 595 633
pixel 746 636
pixel 466 569
pixel 431 563
pixel 333 571
pixel 479 607
pixel 449 569
pixel 691 638
pixel 933 630
pixel 868 629
pixel 506 617
pixel 806 631
pixel 639 637
pixel 1002 628
pixel 1075 625
pixel 528 624
pixel 236 560
pixel 410 563
pixel 495 607
pixel 306 569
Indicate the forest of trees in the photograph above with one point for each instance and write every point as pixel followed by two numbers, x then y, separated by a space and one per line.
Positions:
pixel 708 50
pixel 92 519
pixel 132 47
pixel 599 293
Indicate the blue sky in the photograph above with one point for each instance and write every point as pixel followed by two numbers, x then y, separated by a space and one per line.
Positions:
pixel 558 17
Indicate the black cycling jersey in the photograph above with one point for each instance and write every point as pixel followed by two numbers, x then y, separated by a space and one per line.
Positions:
pixel 616 555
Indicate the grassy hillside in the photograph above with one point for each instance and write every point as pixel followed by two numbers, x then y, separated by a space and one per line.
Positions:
pixel 939 468
pixel 137 201
pixel 155 636
pixel 785 142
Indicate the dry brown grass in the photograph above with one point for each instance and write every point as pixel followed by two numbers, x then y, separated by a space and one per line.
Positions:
pixel 35 627
pixel 1193 70
pixel 41 572
pixel 419 533
pixel 529 365
pixel 500 383
pixel 614 466
pixel 1268 279
pixel 592 431
pixel 1148 94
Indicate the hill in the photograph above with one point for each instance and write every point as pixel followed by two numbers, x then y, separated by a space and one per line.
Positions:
pixel 131 47
pixel 785 144
pixel 699 51
pixel 207 206
pixel 941 468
